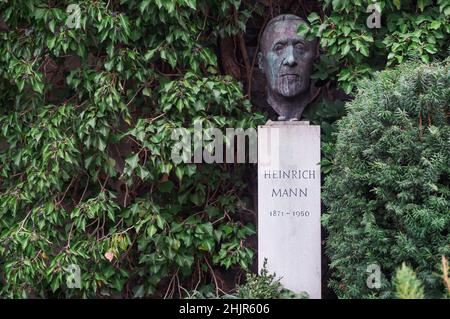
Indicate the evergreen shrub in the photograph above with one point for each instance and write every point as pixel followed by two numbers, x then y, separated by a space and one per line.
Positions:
pixel 388 195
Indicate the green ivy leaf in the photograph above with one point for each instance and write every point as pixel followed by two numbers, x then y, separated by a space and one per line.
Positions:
pixel 151 230
pixel 133 161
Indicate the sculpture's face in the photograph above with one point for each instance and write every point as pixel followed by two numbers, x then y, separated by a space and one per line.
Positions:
pixel 286 58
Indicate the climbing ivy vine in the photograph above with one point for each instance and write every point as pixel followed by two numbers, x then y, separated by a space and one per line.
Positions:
pixel 86 113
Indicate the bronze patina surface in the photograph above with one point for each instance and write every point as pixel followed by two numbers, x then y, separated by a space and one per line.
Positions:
pixel 286 59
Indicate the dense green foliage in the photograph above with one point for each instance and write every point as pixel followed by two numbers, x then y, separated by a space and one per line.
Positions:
pixel 85 121
pixel 351 49
pixel 407 286
pixel 355 48
pixel 265 286
pixel 389 194
pixel 257 286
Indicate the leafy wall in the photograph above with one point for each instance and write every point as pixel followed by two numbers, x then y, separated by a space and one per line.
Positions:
pixel 86 173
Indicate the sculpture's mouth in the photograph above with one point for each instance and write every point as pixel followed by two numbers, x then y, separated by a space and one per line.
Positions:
pixel 289 84
pixel 289 78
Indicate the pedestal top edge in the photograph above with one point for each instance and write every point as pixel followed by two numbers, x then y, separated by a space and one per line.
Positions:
pixel 271 123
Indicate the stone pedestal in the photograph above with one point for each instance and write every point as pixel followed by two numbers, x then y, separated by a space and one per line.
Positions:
pixel 289 204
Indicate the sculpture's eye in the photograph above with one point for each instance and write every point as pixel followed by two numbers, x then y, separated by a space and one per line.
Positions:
pixel 278 47
pixel 299 46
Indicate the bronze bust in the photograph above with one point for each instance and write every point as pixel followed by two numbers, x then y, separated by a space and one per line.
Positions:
pixel 286 59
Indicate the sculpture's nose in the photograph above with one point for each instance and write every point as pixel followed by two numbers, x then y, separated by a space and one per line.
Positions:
pixel 289 59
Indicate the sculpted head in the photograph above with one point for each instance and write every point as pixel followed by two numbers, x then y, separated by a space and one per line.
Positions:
pixel 286 58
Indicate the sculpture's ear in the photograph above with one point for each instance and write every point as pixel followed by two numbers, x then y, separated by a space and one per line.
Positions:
pixel 260 62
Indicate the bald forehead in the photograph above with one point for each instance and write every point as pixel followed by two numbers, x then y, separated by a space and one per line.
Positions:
pixel 280 29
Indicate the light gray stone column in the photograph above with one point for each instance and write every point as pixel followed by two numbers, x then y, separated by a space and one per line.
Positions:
pixel 289 204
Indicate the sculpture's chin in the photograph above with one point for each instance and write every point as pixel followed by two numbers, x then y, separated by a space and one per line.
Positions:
pixel 290 85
